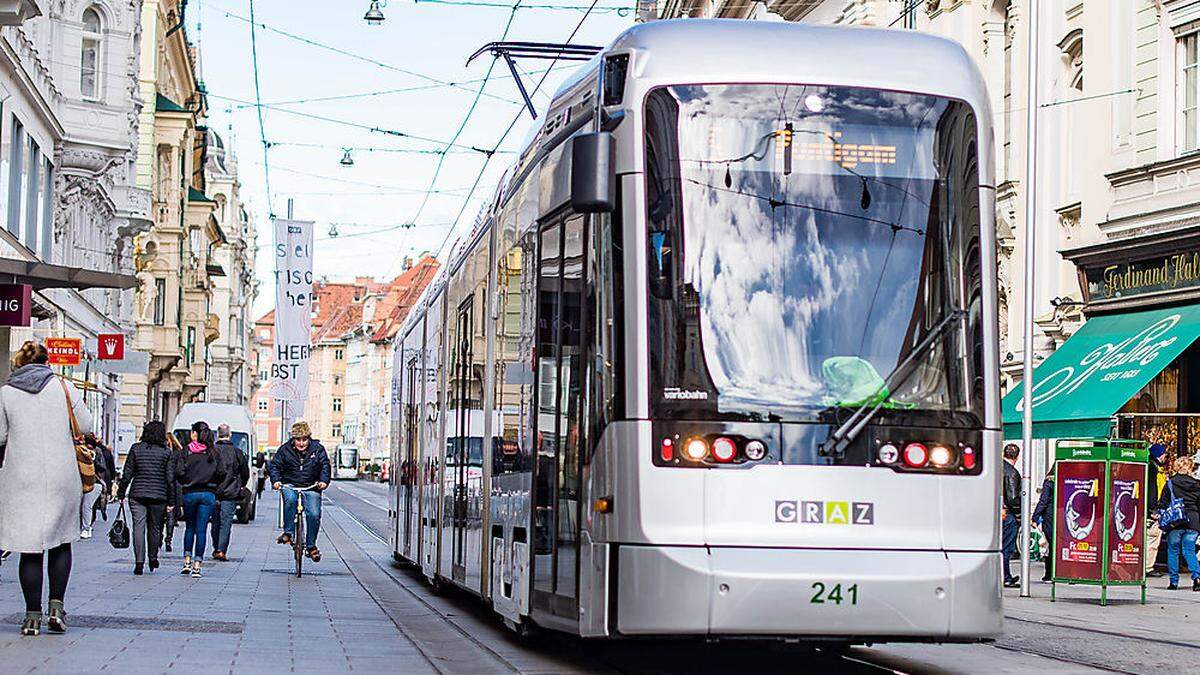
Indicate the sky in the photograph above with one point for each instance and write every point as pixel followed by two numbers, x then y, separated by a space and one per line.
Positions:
pixel 417 45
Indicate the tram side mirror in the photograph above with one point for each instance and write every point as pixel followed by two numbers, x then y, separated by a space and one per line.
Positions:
pixel 593 177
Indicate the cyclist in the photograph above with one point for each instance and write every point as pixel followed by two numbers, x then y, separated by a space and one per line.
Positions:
pixel 301 462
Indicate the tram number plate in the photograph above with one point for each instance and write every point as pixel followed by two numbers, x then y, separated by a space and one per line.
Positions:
pixel 825 594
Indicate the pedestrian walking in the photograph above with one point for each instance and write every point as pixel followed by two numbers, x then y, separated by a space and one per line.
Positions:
pixel 199 476
pixel 236 469
pixel 1182 535
pixel 1043 517
pixel 40 481
pixel 1010 511
pixel 175 500
pixel 1156 478
pixel 148 466
pixel 90 502
pixel 260 468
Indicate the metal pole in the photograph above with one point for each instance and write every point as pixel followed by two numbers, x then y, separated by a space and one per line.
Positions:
pixel 285 417
pixel 1031 119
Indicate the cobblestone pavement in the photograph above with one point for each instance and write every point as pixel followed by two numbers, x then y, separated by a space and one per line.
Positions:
pixel 358 612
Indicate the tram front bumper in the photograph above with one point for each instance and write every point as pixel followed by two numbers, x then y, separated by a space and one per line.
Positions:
pixel 852 594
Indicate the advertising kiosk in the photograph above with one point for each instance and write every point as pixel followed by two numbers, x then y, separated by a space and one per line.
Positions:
pixel 1100 514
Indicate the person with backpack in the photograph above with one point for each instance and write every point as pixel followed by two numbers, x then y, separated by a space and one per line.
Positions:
pixel 199 475
pixel 1179 518
pixel 41 480
pixel 148 468
pixel 236 468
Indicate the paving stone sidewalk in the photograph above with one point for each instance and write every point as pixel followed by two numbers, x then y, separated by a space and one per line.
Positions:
pixel 248 615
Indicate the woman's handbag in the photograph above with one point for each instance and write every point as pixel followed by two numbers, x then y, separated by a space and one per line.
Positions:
pixel 1174 511
pixel 84 457
pixel 118 534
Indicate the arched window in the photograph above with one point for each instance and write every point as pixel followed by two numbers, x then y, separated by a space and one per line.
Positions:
pixel 89 64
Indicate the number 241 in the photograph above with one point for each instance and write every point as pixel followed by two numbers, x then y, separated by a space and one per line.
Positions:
pixel 823 594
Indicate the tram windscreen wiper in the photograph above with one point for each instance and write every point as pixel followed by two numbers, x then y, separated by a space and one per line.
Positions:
pixel 841 437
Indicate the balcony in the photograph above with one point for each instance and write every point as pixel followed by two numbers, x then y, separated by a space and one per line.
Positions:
pixel 16 12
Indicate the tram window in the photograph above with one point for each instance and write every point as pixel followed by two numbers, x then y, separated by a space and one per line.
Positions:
pixel 769 219
pixel 514 343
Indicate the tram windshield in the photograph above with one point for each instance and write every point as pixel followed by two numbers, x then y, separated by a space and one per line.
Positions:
pixel 347 458
pixel 803 240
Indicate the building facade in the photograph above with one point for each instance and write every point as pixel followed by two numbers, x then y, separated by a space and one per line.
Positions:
pixel 174 322
pixel 68 119
pixel 231 272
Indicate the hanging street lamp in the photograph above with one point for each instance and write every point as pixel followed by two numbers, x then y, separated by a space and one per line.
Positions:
pixel 374 15
pixel 347 160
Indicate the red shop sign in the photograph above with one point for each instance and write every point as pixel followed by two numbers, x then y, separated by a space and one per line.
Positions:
pixel 16 304
pixel 110 347
pixel 65 351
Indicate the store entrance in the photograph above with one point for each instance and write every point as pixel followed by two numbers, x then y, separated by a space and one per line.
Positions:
pixel 1167 409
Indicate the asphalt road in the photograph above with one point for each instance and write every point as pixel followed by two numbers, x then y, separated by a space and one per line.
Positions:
pixel 452 624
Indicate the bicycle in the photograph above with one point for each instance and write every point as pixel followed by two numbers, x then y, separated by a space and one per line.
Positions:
pixel 298 526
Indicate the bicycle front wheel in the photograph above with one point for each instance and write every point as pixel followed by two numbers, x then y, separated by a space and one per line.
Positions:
pixel 298 543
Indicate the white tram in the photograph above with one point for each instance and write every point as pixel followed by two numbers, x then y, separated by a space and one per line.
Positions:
pixel 720 357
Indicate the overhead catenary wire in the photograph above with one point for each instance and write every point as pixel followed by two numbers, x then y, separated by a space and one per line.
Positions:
pixel 437 170
pixel 356 125
pixel 358 57
pixel 488 158
pixel 262 129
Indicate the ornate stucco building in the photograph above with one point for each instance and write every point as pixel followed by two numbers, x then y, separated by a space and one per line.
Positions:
pixel 173 317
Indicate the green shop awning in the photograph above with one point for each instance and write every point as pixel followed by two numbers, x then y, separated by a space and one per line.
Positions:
pixel 1098 369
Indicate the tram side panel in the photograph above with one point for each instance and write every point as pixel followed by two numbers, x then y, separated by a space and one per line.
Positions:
pixel 432 441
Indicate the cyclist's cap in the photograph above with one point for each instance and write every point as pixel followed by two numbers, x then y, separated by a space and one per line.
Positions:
pixel 301 430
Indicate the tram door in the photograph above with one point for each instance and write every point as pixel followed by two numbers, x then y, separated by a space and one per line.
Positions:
pixel 459 460
pixel 408 466
pixel 561 404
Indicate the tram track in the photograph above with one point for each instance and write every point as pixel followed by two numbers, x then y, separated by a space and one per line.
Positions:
pixel 637 655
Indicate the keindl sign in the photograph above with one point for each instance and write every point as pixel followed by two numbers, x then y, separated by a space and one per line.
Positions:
pixel 293 312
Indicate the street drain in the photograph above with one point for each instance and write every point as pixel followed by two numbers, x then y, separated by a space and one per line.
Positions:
pixel 146 623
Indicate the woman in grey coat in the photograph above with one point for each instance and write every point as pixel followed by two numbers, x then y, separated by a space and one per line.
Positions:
pixel 39 481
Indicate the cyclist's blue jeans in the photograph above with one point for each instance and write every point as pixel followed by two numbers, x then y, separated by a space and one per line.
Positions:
pixel 312 514
pixel 1177 539
pixel 197 510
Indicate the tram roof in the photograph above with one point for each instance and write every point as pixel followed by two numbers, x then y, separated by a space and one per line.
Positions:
pixel 735 50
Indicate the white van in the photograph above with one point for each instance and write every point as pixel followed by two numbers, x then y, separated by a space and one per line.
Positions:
pixel 242 427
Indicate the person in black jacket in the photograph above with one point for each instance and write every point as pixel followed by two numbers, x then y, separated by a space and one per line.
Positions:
pixel 148 467
pixel 174 499
pixel 236 467
pixel 301 462
pixel 1010 511
pixel 199 475
pixel 1182 534
pixel 1043 515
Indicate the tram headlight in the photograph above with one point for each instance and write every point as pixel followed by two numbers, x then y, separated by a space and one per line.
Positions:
pixel 755 450
pixel 695 449
pixel 916 455
pixel 888 453
pixel 939 455
pixel 724 449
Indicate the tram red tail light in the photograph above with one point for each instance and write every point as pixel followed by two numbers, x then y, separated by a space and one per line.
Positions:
pixel 667 450
pixel 916 455
pixel 968 458
pixel 724 450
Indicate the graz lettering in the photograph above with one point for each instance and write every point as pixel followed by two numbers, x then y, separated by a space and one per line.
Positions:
pixel 825 513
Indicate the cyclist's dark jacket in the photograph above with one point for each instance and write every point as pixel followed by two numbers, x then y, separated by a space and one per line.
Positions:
pixel 288 467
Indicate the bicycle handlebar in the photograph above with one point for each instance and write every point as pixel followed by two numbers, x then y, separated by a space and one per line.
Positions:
pixel 301 489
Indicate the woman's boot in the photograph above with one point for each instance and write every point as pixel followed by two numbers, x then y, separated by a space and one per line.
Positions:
pixel 56 618
pixel 32 625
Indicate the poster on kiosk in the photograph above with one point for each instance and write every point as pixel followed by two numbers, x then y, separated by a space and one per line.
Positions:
pixel 1100 514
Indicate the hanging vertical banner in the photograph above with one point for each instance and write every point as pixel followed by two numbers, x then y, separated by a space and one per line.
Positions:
pixel 293 312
